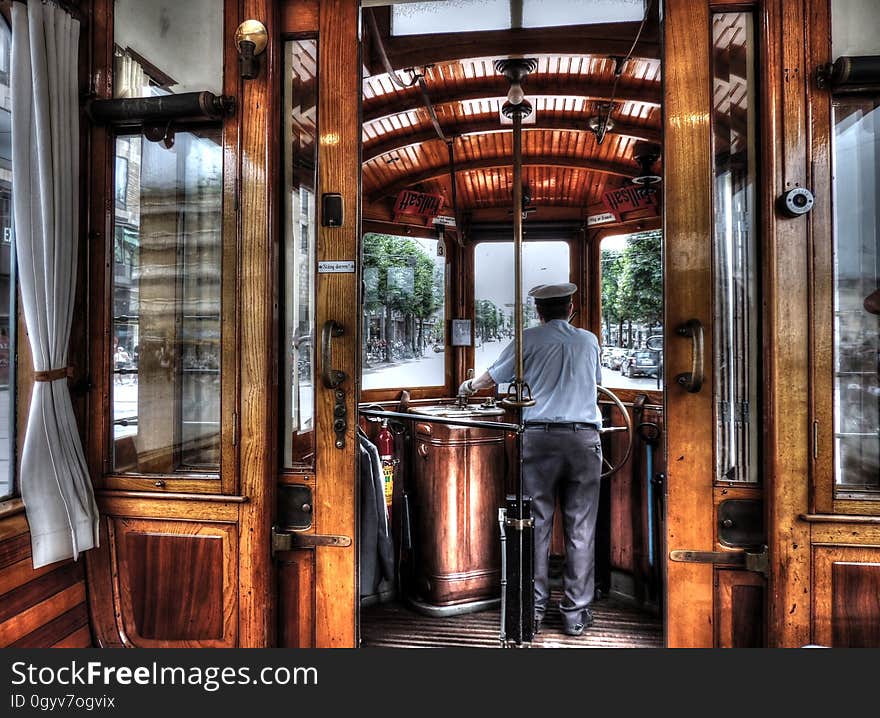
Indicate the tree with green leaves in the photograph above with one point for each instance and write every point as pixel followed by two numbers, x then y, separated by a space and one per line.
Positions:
pixel 401 277
pixel 612 269
pixel 640 296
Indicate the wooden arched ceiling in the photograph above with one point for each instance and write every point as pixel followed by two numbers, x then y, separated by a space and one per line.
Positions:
pixel 564 165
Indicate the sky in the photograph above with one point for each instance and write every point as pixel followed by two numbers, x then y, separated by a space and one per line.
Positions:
pixel 543 263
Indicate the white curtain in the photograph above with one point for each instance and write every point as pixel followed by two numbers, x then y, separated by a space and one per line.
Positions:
pixel 54 478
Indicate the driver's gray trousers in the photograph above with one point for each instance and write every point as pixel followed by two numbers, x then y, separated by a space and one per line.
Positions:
pixel 564 460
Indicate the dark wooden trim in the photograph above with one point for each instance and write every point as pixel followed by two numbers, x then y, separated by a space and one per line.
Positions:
pixel 429 174
pixel 489 124
pixel 170 496
pixel 839 519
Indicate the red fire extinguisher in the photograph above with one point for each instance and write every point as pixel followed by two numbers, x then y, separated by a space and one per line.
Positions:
pixel 385 444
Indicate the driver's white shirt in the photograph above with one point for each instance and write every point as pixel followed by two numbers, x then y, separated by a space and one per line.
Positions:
pixel 561 366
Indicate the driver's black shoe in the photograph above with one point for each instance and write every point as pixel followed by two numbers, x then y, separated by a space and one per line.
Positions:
pixel 577 628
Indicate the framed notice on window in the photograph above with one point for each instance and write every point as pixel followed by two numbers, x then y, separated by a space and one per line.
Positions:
pixel 461 332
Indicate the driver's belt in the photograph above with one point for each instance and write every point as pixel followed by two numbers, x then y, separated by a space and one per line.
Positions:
pixel 560 426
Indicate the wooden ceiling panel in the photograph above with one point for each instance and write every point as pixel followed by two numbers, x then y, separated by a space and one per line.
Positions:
pixel 564 165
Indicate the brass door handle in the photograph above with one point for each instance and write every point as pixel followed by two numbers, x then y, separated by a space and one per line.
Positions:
pixel 692 381
pixel 332 377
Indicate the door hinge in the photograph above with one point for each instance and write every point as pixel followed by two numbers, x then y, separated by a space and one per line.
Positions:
pixel 755 561
pixel 290 540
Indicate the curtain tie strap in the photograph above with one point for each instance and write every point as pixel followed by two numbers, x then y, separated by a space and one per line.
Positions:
pixel 53 374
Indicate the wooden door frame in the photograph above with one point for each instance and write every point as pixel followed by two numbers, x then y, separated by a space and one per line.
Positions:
pixel 784 28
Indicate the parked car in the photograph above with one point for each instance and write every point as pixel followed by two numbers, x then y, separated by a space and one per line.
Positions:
pixel 641 362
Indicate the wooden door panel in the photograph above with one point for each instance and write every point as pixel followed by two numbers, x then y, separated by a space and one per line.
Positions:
pixel 740 608
pixel 846 595
pixel 296 599
pixel 174 583
pixel 687 268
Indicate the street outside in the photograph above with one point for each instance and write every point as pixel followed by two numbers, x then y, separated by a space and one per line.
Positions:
pixel 429 371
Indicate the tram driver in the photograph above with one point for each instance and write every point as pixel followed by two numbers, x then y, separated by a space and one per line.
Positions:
pixel 562 454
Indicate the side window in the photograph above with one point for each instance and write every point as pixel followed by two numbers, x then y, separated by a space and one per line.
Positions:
pixel 632 310
pixel 7 280
pixel 404 318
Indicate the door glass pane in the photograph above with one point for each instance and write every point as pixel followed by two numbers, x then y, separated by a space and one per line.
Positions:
pixel 163 47
pixel 857 296
pixel 404 312
pixel 166 304
pixel 300 176
pixel 736 314
pixel 543 263
pixel 632 311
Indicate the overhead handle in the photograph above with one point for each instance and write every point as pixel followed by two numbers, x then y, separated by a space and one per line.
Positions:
pixel 692 381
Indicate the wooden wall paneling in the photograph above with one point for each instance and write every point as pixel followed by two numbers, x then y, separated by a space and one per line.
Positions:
pixel 175 583
pixel 687 263
pixel 846 586
pixel 80 638
pixel 338 171
pixel 259 345
pixel 296 599
pixel 786 331
pixel 72 625
pixel 41 613
pixel 740 609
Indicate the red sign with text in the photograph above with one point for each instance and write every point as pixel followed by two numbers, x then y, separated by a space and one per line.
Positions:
pixel 419 204
pixel 629 199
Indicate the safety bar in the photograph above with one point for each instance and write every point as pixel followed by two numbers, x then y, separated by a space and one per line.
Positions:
pixel 427 418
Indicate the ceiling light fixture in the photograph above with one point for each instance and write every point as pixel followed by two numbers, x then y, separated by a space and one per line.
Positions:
pixel 647 155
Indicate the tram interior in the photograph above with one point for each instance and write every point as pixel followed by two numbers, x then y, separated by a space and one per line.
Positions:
pixel 438 301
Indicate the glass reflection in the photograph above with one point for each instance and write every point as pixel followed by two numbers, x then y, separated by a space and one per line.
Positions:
pixel 857 296
pixel 166 304
pixel 300 177
pixel 735 261
pixel 163 47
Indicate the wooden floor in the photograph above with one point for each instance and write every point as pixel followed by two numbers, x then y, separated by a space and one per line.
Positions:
pixel 617 625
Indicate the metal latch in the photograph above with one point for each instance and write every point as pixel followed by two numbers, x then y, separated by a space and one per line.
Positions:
pixel 758 562
pixel 291 540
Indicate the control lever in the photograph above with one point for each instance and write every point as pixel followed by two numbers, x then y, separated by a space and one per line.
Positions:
pixel 462 399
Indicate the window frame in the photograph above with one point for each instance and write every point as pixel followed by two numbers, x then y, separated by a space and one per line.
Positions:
pixel 100 212
pixel 449 355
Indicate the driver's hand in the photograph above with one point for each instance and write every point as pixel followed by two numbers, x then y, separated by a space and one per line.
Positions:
pixel 467 388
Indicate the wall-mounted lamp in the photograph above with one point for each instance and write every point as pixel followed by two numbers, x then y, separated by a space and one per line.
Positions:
pixel 251 39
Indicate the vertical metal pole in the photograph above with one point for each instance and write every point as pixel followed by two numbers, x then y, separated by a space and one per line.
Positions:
pixel 517 245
